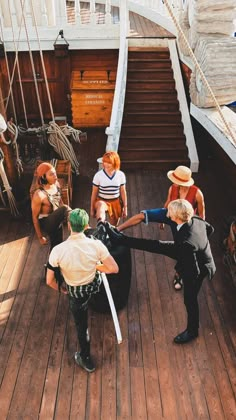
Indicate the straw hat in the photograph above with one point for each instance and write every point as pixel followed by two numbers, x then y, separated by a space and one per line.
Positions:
pixel 182 175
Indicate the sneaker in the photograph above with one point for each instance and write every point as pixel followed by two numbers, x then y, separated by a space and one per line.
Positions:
pixel 86 363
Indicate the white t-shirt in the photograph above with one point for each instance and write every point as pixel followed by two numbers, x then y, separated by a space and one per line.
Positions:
pixel 77 258
pixel 109 187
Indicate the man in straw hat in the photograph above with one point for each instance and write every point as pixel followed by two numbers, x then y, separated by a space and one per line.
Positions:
pixel 190 249
pixel 81 261
pixel 183 187
pixel 48 210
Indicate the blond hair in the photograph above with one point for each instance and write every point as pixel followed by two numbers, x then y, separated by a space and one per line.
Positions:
pixel 181 209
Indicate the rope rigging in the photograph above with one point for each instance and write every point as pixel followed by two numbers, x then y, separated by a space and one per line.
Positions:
pixel 7 188
pixel 59 141
pixel 13 130
pixel 57 135
pixel 191 53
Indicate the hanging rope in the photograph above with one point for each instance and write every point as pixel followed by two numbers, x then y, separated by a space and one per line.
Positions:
pixel 7 188
pixel 14 66
pixel 32 65
pixel 181 33
pixel 12 128
pixel 3 127
pixel 10 94
pixel 58 140
pixel 18 67
pixel 42 61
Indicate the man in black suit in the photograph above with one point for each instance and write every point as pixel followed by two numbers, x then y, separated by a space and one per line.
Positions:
pixel 191 250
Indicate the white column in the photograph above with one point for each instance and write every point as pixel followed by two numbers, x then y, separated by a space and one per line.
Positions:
pixel 92 12
pixel 77 12
pixel 108 12
pixel 61 14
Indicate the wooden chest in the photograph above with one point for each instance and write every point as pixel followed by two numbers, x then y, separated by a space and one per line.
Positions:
pixel 92 95
pixel 63 168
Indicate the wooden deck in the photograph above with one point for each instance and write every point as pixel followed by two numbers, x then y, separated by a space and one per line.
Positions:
pixel 145 377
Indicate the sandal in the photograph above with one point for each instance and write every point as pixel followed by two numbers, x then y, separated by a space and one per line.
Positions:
pixel 178 283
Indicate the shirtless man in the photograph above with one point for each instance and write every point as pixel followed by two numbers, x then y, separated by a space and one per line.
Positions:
pixel 48 210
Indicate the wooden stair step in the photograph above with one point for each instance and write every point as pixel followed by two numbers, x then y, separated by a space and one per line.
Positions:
pixel 150 147
pixel 155 94
pixel 144 155
pixel 167 106
pixel 146 129
pixel 138 63
pixel 152 117
pixel 133 143
pixel 150 74
pixel 158 84
pixel 164 164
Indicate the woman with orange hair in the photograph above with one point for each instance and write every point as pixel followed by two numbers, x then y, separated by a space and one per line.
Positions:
pixel 109 191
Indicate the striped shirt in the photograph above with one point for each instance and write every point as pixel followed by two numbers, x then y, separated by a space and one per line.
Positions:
pixel 109 186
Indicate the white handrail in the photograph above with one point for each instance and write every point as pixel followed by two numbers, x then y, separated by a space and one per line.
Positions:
pixel 183 106
pixel 113 131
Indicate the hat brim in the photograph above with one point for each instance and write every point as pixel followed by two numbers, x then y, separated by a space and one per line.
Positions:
pixel 179 182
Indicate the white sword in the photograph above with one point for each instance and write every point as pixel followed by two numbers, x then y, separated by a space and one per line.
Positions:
pixel 113 309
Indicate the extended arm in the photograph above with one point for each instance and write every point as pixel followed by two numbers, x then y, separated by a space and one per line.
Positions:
pixel 108 266
pixel 124 200
pixel 134 220
pixel 168 198
pixel 200 204
pixel 51 281
pixel 36 207
pixel 93 200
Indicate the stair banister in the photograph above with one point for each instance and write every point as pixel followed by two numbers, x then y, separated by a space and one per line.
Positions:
pixel 190 142
pixel 113 131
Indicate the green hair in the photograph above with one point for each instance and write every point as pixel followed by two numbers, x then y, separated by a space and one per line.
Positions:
pixel 78 219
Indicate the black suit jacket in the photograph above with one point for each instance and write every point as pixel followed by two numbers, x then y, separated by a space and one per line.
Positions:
pixel 191 249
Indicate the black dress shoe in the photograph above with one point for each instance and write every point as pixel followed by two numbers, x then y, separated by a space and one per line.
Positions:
pixel 185 337
pixel 101 232
pixel 114 235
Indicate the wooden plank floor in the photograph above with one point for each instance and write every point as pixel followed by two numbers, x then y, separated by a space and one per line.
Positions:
pixel 147 376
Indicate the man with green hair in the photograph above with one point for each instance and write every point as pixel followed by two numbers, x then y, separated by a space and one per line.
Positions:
pixel 81 260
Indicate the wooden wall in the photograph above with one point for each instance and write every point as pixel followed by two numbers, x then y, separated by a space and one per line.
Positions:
pixel 58 72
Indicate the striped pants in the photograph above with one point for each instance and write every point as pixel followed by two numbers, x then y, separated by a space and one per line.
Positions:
pixel 79 297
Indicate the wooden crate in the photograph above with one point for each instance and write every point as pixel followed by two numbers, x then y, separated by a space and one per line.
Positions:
pixel 92 95
pixel 63 168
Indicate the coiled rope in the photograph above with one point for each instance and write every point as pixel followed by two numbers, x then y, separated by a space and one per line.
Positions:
pixel 59 141
pixel 13 130
pixel 181 33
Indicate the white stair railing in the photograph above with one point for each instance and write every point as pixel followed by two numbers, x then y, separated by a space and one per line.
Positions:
pixel 113 131
pixel 183 106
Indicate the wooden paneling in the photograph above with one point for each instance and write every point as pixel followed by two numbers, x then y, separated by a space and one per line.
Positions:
pixel 58 71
